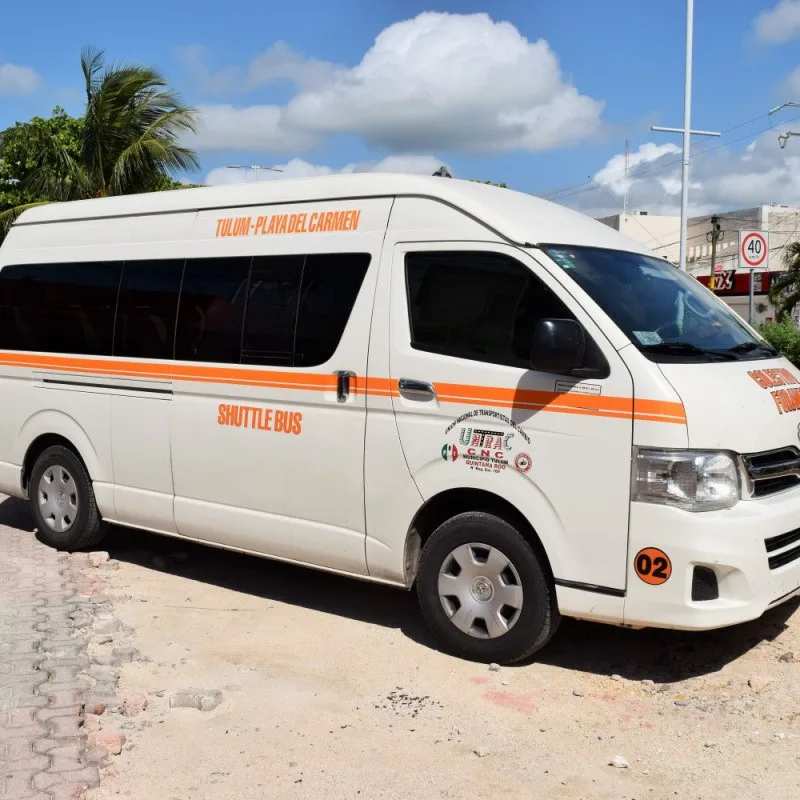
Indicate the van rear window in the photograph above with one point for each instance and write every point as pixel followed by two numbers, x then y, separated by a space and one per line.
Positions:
pixel 59 308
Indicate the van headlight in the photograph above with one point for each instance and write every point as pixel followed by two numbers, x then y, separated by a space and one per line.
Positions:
pixel 695 480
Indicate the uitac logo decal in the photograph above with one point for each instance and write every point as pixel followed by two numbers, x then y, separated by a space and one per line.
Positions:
pixel 489 448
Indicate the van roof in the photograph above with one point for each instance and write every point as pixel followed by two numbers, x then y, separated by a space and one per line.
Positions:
pixel 519 218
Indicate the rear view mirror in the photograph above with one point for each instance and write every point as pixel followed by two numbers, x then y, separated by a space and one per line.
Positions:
pixel 559 346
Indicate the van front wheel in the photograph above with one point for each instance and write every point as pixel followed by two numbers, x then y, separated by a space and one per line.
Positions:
pixel 483 591
pixel 62 501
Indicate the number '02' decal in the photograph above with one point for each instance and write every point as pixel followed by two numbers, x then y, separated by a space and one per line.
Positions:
pixel 653 566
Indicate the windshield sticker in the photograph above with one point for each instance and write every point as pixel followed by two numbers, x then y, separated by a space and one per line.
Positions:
pixel 562 259
pixel 493 447
pixel 648 337
pixel 565 387
pixel 787 399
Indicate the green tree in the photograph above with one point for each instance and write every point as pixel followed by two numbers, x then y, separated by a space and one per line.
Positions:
pixel 490 183
pixel 20 150
pixel 784 293
pixel 128 140
pixel 784 336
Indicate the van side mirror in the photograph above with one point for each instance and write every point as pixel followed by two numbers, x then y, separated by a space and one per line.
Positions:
pixel 559 346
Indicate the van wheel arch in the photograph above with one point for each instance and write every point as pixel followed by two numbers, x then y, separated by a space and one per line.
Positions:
pixel 38 446
pixel 447 504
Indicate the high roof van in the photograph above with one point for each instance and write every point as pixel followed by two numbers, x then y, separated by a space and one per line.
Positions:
pixel 438 385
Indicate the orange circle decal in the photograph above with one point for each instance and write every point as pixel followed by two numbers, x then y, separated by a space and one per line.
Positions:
pixel 653 566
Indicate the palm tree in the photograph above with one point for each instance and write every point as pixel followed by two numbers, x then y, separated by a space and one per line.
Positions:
pixel 130 136
pixel 784 293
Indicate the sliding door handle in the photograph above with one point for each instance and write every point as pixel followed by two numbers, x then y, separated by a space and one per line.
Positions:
pixel 416 390
pixel 343 377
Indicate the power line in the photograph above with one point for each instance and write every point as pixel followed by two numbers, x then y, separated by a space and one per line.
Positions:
pixel 581 188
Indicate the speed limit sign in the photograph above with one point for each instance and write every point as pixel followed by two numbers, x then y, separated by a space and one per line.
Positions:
pixel 753 249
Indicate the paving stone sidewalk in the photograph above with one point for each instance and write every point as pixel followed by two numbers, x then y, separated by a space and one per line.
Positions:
pixel 43 658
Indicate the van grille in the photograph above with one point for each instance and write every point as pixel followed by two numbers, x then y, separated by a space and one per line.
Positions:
pixel 779 542
pixel 773 471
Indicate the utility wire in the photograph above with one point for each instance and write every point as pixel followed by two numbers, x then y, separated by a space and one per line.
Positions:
pixel 698 152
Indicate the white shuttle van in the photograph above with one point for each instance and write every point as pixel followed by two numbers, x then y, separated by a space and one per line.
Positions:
pixel 417 381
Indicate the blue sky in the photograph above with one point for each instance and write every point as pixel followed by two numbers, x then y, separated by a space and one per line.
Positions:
pixel 533 93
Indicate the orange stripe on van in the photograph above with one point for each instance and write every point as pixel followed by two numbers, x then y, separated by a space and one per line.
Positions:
pixel 139 369
pixel 461 394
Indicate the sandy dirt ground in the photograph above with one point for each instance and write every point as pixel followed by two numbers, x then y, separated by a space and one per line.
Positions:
pixel 333 689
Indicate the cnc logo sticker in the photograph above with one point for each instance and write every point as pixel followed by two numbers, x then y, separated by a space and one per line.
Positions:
pixel 653 566
pixel 486 448
pixel 522 463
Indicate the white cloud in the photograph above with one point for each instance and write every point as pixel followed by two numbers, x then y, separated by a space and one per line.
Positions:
pixel 18 80
pixel 279 63
pixel 255 128
pixel 613 173
pixel 793 84
pixel 721 180
pixel 461 83
pixel 779 24
pixel 298 168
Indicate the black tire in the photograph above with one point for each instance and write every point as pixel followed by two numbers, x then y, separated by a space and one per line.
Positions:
pixel 534 623
pixel 86 528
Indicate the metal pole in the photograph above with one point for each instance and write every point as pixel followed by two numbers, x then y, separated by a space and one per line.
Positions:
pixel 687 130
pixel 715 235
pixel 750 301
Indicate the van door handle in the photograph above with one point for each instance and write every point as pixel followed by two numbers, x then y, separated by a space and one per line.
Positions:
pixel 416 390
pixel 343 385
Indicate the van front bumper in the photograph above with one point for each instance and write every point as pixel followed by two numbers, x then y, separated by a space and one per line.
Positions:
pixel 737 544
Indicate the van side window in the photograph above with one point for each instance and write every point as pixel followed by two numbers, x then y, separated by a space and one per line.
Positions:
pixel 59 308
pixel 272 310
pixel 211 310
pixel 147 307
pixel 331 283
pixel 478 305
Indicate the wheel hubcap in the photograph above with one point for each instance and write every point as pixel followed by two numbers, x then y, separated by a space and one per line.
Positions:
pixel 480 590
pixel 58 499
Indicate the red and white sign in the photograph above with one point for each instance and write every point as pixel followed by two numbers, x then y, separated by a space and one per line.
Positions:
pixel 753 249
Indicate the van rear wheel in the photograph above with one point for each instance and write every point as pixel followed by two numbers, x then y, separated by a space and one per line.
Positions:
pixel 483 591
pixel 62 501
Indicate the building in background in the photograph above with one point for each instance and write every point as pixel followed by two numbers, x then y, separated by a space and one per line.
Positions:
pixel 662 234
pixel 659 233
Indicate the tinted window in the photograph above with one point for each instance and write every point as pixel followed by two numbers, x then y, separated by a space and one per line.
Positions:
pixel 481 306
pixel 148 305
pixel 211 310
pixel 665 312
pixel 59 308
pixel 272 310
pixel 329 290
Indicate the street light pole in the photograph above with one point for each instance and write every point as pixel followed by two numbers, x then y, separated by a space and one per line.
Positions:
pixel 686 131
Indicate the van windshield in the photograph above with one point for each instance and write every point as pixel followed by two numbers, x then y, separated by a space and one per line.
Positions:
pixel 667 314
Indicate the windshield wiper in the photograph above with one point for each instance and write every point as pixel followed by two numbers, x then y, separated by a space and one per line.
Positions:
pixel 687 349
pixel 749 347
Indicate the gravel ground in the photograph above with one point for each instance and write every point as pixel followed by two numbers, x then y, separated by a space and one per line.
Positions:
pixel 239 677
